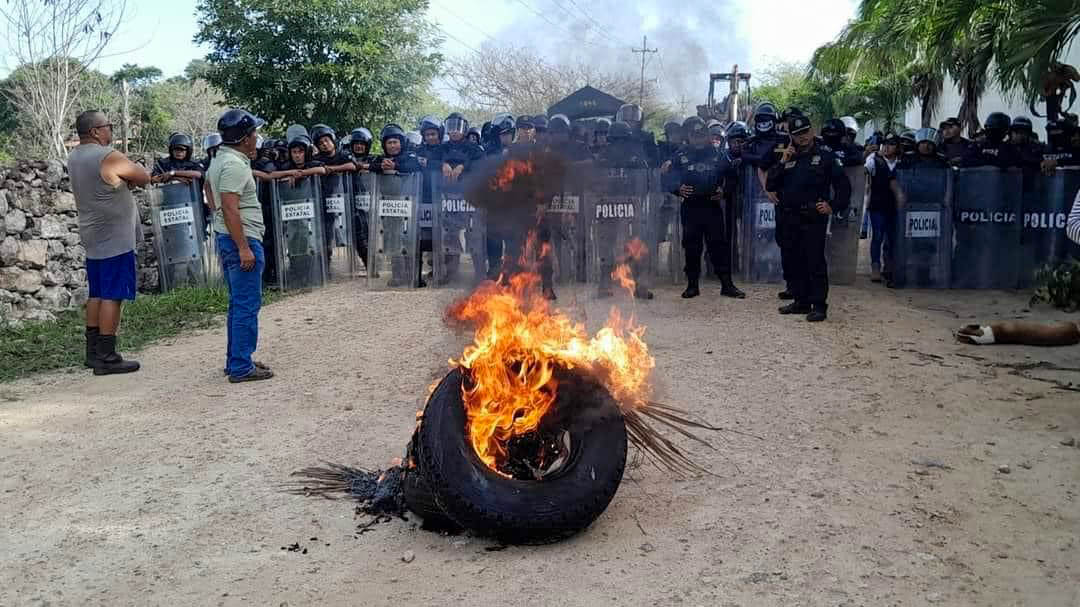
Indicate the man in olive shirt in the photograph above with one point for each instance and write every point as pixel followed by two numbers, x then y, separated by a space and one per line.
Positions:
pixel 238 227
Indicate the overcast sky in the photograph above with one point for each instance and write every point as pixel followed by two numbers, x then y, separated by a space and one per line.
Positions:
pixel 692 40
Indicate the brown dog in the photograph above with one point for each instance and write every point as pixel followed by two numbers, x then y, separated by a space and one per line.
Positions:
pixel 1023 333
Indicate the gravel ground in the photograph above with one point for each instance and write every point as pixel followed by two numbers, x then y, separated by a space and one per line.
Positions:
pixel 881 479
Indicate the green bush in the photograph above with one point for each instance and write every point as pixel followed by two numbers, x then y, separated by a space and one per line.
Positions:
pixel 1059 285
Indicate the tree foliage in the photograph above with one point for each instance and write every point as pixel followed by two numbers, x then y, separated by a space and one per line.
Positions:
pixel 343 62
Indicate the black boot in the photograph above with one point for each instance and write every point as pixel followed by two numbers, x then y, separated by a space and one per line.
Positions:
pixel 817 314
pixel 691 288
pixel 729 289
pixel 108 361
pixel 795 308
pixel 92 334
pixel 641 292
pixel 785 295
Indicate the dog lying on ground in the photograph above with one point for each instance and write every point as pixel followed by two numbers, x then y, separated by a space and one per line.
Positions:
pixel 1021 333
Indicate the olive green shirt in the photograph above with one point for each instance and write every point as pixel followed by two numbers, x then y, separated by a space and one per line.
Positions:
pixel 230 171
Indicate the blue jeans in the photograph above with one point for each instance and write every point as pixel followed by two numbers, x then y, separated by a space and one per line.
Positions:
pixel 883 224
pixel 245 299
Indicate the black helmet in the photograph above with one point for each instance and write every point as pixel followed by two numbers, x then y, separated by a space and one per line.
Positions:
pixel 603 125
pixel 540 123
pixel 392 131
pixel 268 144
pixel 765 118
pixel 737 130
pixel 716 128
pixel 503 123
pixel 620 130
pixel 211 141
pixel 929 134
pixel 428 123
pixel 300 141
pixel 360 135
pixel 559 123
pixel 525 122
pixel 475 131
pixel 456 123
pixel 1022 123
pixel 833 129
pixel 321 130
pixel 235 125
pixel 694 126
pixel 629 113
pixel 876 139
pixel 997 121
pixel 790 113
pixel 180 140
pixel 766 109
pixel 908 136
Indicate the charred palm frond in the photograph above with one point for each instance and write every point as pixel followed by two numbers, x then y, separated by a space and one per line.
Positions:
pixel 379 492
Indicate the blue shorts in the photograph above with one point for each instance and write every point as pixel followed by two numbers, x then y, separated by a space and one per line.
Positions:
pixel 113 277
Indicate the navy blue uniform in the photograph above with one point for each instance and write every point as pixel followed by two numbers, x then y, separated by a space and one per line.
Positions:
pixel 702 213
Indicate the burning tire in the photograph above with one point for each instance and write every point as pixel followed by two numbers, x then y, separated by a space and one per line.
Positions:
pixel 586 428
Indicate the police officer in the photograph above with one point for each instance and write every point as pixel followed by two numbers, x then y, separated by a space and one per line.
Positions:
pixel 559 141
pixel 333 160
pixel 717 132
pixel 396 159
pixel 211 143
pixel 907 143
pixel 673 140
pixel 503 131
pixel 430 156
pixel 178 166
pixel 833 135
pixel 810 184
pixel 762 151
pixel 526 130
pixel 993 150
pixel 360 154
pixel 1027 151
pixel 262 167
pixel 300 165
pixel 459 154
pixel 600 133
pixel 926 154
pixel 697 176
pixel 488 140
pixel 540 124
pixel 954 146
pixel 632 115
pixel 623 149
pixel 1059 150
pixel 476 136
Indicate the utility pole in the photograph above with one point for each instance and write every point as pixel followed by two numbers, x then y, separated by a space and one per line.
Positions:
pixel 644 50
pixel 683 101
pixel 125 124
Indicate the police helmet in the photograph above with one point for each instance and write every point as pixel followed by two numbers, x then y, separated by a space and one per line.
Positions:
pixel 475 131
pixel 268 144
pixel 456 123
pixel 559 123
pixel 737 130
pixel 503 123
pixel 180 140
pixel 695 127
pixel 850 123
pixel 428 123
pixel 414 138
pixel 541 123
pixel 360 135
pixel 602 126
pixel 927 134
pixel 301 141
pixel 833 129
pixel 1022 123
pixel 629 113
pixel 321 130
pixel 234 125
pixel 392 131
pixel 211 141
pixel 766 109
pixel 525 122
pixel 716 128
pixel 997 121
pixel 620 130
pixel 908 136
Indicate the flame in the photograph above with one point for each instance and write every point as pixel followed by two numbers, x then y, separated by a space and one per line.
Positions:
pixel 635 252
pixel 520 341
pixel 508 172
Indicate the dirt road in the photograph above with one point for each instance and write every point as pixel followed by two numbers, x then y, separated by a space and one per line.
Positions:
pixel 160 487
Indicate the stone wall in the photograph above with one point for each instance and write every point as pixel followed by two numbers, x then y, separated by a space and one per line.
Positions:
pixel 42 261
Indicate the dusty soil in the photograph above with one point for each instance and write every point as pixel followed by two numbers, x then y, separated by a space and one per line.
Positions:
pixel 161 487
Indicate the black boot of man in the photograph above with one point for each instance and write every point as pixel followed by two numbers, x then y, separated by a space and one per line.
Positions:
pixel 92 334
pixel 108 361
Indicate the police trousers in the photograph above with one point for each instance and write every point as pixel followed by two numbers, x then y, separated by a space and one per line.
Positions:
pixel 805 258
pixel 704 229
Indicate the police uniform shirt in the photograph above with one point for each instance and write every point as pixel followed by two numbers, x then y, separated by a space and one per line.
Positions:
pixel 810 176
pixel 335 159
pixel 987 153
pixel 955 149
pixel 1064 157
pixel 699 168
pixel 623 154
pixel 763 151
pixel 1028 155
pixel 164 165
pixel 461 153
pixel 849 155
pixel 405 162
pixel 264 164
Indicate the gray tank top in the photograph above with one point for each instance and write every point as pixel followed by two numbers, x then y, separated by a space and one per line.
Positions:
pixel 108 218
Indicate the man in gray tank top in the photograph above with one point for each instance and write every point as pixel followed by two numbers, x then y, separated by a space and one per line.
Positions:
pixel 101 178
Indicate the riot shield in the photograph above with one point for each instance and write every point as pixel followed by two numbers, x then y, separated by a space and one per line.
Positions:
pixel 337 201
pixel 298 228
pixel 664 232
pixel 615 222
pixel 761 254
pixel 1047 202
pixel 564 227
pixel 922 244
pixel 987 221
pixel 459 237
pixel 363 191
pixel 393 239
pixel 842 249
pixel 179 234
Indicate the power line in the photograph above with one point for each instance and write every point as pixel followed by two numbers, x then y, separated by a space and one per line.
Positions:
pixel 603 30
pixel 536 12
pixel 645 51
pixel 458 16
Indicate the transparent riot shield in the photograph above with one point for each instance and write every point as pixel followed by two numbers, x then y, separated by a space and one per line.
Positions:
pixel 564 229
pixel 337 202
pixel 842 248
pixel 392 237
pixel 363 192
pixel 1047 202
pixel 298 226
pixel 179 234
pixel 987 222
pixel 615 222
pixel 922 244
pixel 761 254
pixel 664 232
pixel 459 237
